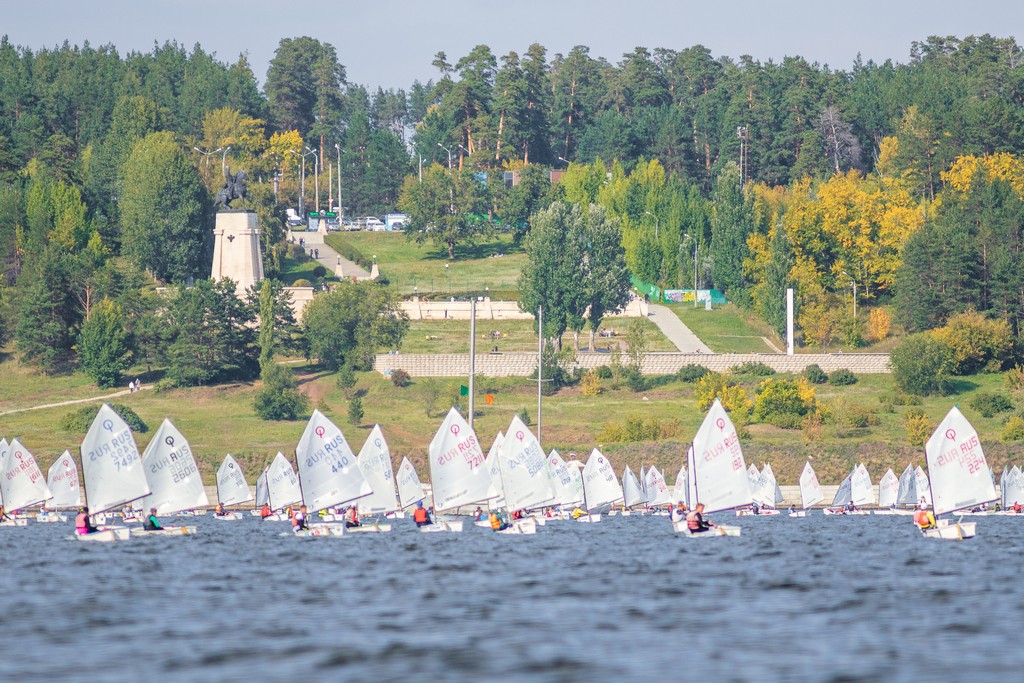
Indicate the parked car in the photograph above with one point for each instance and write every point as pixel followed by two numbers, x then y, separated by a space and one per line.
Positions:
pixel 375 224
pixel 293 219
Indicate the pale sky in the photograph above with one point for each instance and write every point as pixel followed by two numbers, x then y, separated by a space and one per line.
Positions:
pixel 391 43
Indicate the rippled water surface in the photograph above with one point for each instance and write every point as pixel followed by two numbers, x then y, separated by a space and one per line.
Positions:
pixel 817 599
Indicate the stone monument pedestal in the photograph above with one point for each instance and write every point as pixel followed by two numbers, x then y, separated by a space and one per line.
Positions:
pixel 236 249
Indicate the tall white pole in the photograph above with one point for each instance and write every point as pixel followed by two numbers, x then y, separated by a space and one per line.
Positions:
pixel 789 321
pixel 540 363
pixel 472 356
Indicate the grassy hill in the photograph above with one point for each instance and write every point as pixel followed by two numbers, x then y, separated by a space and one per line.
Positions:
pixel 219 420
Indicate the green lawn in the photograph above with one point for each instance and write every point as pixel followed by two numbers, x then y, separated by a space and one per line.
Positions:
pixel 493 263
pixel 452 336
pixel 727 329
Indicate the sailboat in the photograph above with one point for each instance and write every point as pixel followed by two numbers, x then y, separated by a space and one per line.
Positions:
pixel 22 484
pixel 566 480
pixel 282 487
pixel 526 479
pixel 923 486
pixel 232 488
pixel 717 472
pixel 375 463
pixel 888 493
pixel 658 493
pixel 681 489
pixel 4 452
pixel 173 477
pixel 112 471
pixel 494 469
pixel 410 490
pixel 632 493
pixel 329 475
pixel 1012 489
pixel 459 475
pixel 907 494
pixel 262 494
pixel 600 486
pixel 958 475
pixel 856 488
pixel 765 492
pixel 810 490
pixel 62 480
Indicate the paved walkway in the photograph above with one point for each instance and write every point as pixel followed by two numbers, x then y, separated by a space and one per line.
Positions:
pixel 93 399
pixel 329 258
pixel 673 328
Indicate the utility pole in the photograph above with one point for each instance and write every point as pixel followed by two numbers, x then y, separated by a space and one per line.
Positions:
pixel 472 356
pixel 540 364
pixel 742 133
pixel 341 207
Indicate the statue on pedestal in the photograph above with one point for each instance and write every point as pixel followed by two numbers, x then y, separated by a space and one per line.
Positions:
pixel 234 188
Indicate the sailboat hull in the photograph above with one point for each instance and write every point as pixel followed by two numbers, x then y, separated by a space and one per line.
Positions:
pixel 322 531
pixel 369 529
pixel 521 526
pixel 454 526
pixel 957 531
pixel 798 513
pixel 106 535
pixel 589 519
pixel 718 530
pixel 761 513
pixel 14 522
pixel 166 531
pixel 228 517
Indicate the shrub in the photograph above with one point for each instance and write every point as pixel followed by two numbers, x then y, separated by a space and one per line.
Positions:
pixel 1014 380
pixel 879 324
pixel 431 391
pixel 752 368
pixel 814 374
pixel 921 365
pixel 850 329
pixel 691 373
pixel 779 400
pixel 989 404
pixel 1013 429
pixel 842 377
pixel 80 420
pixel 918 427
pixel 976 343
pixel 604 372
pixel 302 282
pixel 734 398
pixel 849 415
pixel 633 378
pixel 355 410
pixel 279 398
pixel 319 271
pixel 638 429
pixel 346 379
pixel 590 384
pixel 400 378
pixel 524 415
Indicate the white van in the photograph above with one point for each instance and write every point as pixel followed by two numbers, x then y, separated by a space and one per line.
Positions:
pixel 375 224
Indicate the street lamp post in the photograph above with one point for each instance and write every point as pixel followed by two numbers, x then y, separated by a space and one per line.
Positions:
pixel 224 160
pixel 341 206
pixel 468 154
pixel 564 159
pixel 316 176
pixel 449 150
pixel 854 283
pixel 207 155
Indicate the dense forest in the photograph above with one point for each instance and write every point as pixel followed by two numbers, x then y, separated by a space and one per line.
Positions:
pixel 897 185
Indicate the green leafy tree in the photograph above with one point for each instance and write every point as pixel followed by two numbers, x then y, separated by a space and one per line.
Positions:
pixel 349 323
pixel 355 411
pixel 448 208
pixel 304 83
pixel 103 349
pixel 165 212
pixel 48 314
pixel 730 225
pixel 279 398
pixel 607 278
pixel 921 365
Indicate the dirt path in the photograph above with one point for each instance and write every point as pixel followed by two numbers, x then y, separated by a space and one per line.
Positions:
pixel 92 399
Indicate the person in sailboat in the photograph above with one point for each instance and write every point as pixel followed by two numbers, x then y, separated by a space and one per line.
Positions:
pixel 265 511
pixel 4 515
pixel 152 523
pixel 791 509
pixel 695 522
pixel 219 510
pixel 420 515
pixel 83 525
pixel 850 507
pixel 299 521
pixel 478 514
pixel 352 518
pixel 755 508
pixel 924 518
pixel 577 512
pixel 498 522
pixel 679 512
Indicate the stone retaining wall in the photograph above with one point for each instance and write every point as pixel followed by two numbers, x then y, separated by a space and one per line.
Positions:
pixel 492 310
pixel 525 364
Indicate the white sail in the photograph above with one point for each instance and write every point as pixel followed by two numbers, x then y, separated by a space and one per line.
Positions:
pixel 375 461
pixel 575 468
pixel 494 469
pixel 111 466
pixel 680 492
pixel 845 492
pixel 632 492
pixel 718 472
pixel 21 480
pixel 691 490
pixel 600 485
pixel 282 484
pixel 642 477
pixel 888 489
pixel 171 472
pixel 764 492
pixel 957 469
pixel 810 488
pixel 262 490
pixel 458 475
pixel 328 472
pixel 908 488
pixel 754 477
pixel 563 481
pixel 861 490
pixel 1013 488
pixel 62 478
pixel 923 486
pixel 5 449
pixel 525 478
pixel 232 489
pixel 657 490
pixel 410 490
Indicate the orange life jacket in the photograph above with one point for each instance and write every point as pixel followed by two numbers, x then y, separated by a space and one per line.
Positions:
pixel 419 516
pixel 692 521
pixel 495 521
pixel 922 518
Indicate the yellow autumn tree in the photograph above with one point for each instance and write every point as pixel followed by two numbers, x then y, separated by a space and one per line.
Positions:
pixel 1000 166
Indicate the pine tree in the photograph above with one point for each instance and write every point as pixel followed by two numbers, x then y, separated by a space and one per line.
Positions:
pixel 103 350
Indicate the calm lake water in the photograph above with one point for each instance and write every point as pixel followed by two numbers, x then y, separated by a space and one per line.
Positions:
pixel 815 599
